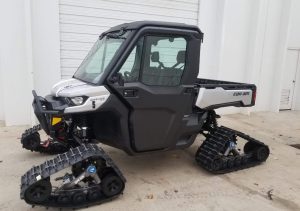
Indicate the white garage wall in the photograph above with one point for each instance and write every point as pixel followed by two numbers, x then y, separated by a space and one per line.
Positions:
pixel 82 21
pixel 245 41
pixel 29 55
pixel 45 44
pixel 15 77
pixel 294 43
pixel 211 23
pixel 1 110
pixel 268 78
pixel 235 44
pixel 1 95
pixel 296 103
pixel 294 29
pixel 236 40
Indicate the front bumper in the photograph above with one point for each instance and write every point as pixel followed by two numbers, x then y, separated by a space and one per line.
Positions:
pixel 46 108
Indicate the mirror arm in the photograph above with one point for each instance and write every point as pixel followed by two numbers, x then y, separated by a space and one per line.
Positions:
pixel 117 78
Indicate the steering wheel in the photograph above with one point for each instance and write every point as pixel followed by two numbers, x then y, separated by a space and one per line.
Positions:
pixel 161 66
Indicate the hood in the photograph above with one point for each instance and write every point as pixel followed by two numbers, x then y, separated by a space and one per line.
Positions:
pixel 73 88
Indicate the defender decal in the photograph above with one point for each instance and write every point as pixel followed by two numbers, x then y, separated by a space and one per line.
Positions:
pixel 241 93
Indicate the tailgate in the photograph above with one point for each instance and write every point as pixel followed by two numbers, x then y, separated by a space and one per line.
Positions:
pixel 214 94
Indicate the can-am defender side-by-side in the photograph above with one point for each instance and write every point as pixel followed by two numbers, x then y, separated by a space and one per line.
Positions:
pixel 137 90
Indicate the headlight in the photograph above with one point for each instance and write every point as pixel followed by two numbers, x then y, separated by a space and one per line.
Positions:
pixel 77 100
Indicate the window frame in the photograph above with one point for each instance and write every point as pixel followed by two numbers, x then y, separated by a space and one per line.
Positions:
pixel 193 36
pixel 142 64
pixel 142 39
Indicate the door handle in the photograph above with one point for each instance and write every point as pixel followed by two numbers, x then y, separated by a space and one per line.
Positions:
pixel 189 90
pixel 129 92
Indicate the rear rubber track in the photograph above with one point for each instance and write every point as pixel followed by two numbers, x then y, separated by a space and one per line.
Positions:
pixel 210 154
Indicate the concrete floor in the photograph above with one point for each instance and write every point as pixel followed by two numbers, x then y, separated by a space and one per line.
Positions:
pixel 173 181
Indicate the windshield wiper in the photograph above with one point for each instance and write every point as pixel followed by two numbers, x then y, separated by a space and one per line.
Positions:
pixel 117 35
pixel 113 36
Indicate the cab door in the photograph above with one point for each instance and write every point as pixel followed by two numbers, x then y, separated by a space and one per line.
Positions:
pixel 155 93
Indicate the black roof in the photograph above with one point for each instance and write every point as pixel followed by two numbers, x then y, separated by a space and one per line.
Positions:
pixel 140 24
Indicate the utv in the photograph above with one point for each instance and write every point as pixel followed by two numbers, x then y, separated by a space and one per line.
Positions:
pixel 137 90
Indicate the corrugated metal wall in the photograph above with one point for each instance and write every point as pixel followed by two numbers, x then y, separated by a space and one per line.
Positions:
pixel 82 21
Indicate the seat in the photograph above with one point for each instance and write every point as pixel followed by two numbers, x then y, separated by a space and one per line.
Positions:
pixel 161 75
pixel 180 58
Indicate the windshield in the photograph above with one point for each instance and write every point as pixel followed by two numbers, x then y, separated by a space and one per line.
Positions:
pixel 99 57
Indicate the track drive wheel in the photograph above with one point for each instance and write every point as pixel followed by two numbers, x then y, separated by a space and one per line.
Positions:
pixel 39 192
pixel 112 185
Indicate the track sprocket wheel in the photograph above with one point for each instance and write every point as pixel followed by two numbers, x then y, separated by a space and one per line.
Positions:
pixel 31 142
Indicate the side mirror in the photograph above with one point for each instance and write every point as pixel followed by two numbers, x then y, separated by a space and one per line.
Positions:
pixel 117 78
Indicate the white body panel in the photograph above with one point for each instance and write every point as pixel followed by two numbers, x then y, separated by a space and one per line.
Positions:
pixel 97 95
pixel 211 97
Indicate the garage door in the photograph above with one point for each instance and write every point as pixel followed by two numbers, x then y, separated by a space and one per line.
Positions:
pixel 82 21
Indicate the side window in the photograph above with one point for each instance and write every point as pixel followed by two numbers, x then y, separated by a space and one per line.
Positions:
pixel 164 60
pixel 131 67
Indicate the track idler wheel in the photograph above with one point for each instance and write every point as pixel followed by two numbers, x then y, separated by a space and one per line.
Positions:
pixel 217 164
pixel 94 194
pixel 63 199
pixel 112 185
pixel 31 142
pixel 238 161
pixel 250 147
pixel 78 198
pixel 39 192
pixel 262 153
pixel 230 162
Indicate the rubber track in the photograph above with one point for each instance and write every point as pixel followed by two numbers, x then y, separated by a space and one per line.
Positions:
pixel 54 147
pixel 62 161
pixel 213 147
pixel 32 130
